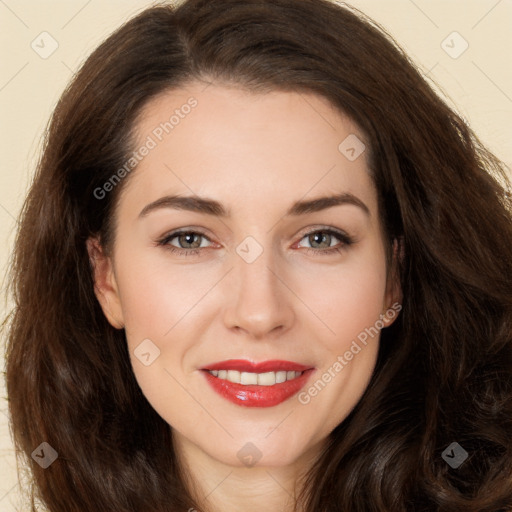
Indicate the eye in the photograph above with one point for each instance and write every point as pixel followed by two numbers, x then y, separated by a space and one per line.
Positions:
pixel 189 242
pixel 320 241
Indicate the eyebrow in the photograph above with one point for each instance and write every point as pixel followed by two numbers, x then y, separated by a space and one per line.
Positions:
pixel 212 207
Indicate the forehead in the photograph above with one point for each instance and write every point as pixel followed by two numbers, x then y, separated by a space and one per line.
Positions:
pixel 224 142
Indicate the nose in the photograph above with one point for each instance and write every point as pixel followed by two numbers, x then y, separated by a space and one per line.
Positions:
pixel 259 300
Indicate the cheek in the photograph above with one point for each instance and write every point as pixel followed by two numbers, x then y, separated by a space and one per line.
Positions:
pixel 157 294
pixel 347 299
pixel 160 302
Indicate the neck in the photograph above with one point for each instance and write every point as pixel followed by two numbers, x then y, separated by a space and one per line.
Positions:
pixel 216 486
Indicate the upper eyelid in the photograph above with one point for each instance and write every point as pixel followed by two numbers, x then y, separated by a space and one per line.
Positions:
pixel 173 234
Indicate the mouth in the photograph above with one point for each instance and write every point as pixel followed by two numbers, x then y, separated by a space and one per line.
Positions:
pixel 260 379
pixel 263 384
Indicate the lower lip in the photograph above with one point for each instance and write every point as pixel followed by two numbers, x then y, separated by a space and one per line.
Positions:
pixel 253 395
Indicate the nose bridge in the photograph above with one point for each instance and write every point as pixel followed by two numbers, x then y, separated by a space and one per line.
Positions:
pixel 260 302
pixel 255 267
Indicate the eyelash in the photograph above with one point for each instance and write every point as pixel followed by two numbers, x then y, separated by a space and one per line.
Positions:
pixel 344 239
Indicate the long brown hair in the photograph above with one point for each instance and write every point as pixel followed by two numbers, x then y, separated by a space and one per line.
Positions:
pixel 444 370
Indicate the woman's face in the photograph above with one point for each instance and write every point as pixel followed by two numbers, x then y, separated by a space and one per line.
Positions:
pixel 264 274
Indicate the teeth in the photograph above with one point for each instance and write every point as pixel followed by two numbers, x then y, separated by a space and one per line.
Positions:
pixel 248 378
pixel 262 379
pixel 233 376
pixel 266 379
pixel 280 377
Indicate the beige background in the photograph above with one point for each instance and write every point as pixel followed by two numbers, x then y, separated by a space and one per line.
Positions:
pixel 478 83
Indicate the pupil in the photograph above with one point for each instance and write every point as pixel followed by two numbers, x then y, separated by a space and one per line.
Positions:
pixel 188 238
pixel 318 237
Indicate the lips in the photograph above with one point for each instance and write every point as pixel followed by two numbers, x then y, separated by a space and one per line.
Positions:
pixel 243 365
pixel 255 395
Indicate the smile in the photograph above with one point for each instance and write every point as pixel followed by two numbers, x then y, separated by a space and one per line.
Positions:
pixel 232 380
pixel 261 379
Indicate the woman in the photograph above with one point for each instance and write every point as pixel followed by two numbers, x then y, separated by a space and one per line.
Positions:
pixel 338 334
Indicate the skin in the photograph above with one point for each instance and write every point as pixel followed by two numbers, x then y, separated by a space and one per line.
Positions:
pixel 257 155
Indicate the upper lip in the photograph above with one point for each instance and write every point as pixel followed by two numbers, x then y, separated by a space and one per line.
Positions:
pixel 242 365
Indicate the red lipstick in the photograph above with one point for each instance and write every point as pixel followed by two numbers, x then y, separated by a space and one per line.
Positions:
pixel 243 365
pixel 254 395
